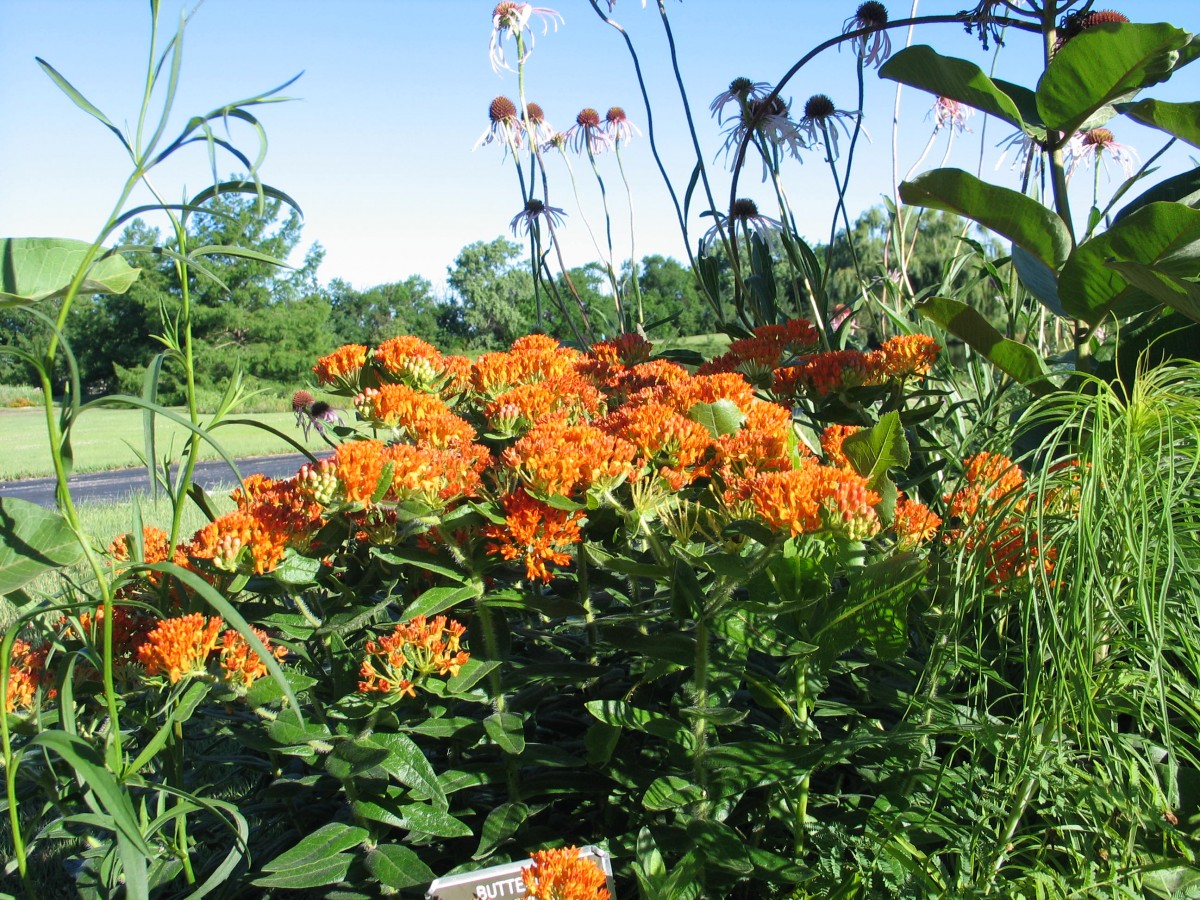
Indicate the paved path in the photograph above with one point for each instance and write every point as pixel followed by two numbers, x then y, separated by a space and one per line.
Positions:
pixel 92 487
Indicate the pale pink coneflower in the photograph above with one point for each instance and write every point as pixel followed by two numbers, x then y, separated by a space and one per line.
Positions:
pixel 505 125
pixel 821 120
pixel 771 120
pixel 618 127
pixel 950 114
pixel 540 130
pixel 740 92
pixel 743 214
pixel 1095 147
pixel 513 18
pixel 527 219
pixel 876 46
pixel 588 134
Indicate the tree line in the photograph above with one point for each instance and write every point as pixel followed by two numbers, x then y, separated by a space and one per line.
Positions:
pixel 272 322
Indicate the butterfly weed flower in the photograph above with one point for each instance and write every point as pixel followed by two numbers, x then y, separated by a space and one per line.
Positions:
pixel 559 874
pixel 876 45
pixel 510 18
pixel 504 126
pixel 179 647
pixel 527 219
pixel 740 92
pixel 821 120
pixel 1093 147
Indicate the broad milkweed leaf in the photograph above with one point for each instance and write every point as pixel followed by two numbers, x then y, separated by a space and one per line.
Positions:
pixel 33 270
pixel 923 67
pixel 33 540
pixel 720 418
pixel 1179 119
pixel 398 866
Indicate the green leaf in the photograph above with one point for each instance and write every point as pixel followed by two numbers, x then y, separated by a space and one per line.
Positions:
pixel 501 824
pixel 671 792
pixel 33 540
pixel 429 820
pixel 720 418
pixel 507 730
pixel 875 450
pixel 877 612
pixel 1103 64
pixel 353 758
pixel 957 79
pixel 267 690
pixel 1038 278
pixel 37 269
pixel 440 599
pixel 1179 119
pixel 325 841
pixel 1017 360
pixel 1182 296
pixel 1183 188
pixel 326 871
pixel 720 846
pixel 1019 218
pixel 296 569
pixel 1165 236
pixel 626 715
pixel 407 763
pixel 398 866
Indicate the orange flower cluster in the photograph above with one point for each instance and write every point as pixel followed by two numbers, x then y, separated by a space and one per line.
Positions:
pixel 179 647
pixel 566 396
pixel 397 664
pixel 534 532
pixel 907 355
pixel 415 415
pixel 272 516
pixel 433 475
pixel 813 498
pixel 990 505
pixel 832 439
pixel 342 367
pixel 764 443
pixel 673 445
pixel 129 630
pixel 914 523
pixel 568 460
pixel 240 665
pixel 26 673
pixel 756 357
pixel 532 358
pixel 559 874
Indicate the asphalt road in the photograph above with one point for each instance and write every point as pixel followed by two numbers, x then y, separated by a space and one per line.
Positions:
pixel 116 485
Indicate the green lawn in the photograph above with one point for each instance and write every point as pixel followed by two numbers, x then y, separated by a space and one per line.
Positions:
pixel 112 439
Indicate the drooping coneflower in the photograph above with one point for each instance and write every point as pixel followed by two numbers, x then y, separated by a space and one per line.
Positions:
pixel 875 46
pixel 512 19
pixel 820 123
pixel 504 125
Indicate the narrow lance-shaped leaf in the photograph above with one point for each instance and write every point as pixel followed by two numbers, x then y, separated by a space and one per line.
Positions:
pixel 1019 218
pixel 1102 64
pixel 1014 359
pixel 947 76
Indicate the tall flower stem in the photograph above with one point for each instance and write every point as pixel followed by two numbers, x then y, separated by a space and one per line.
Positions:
pixel 633 259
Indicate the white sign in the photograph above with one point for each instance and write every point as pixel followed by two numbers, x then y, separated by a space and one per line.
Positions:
pixel 505 882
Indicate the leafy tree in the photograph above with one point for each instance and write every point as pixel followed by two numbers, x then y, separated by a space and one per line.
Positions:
pixel 386 310
pixel 245 312
pixel 670 297
pixel 494 294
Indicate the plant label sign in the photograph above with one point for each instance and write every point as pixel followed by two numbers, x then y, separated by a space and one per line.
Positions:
pixel 505 882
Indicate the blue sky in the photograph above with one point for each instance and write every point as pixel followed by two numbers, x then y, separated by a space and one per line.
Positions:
pixel 377 147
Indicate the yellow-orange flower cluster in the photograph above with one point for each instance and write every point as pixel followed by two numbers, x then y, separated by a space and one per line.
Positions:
pixel 398 663
pixel 535 533
pixel 239 664
pixel 559 458
pixel 342 367
pixel 990 506
pixel 914 523
pixel 26 672
pixel 756 357
pixel 832 439
pixel 560 874
pixel 672 445
pixel 907 355
pixel 813 498
pixel 415 415
pixel 570 397
pixel 179 648
pixel 532 358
